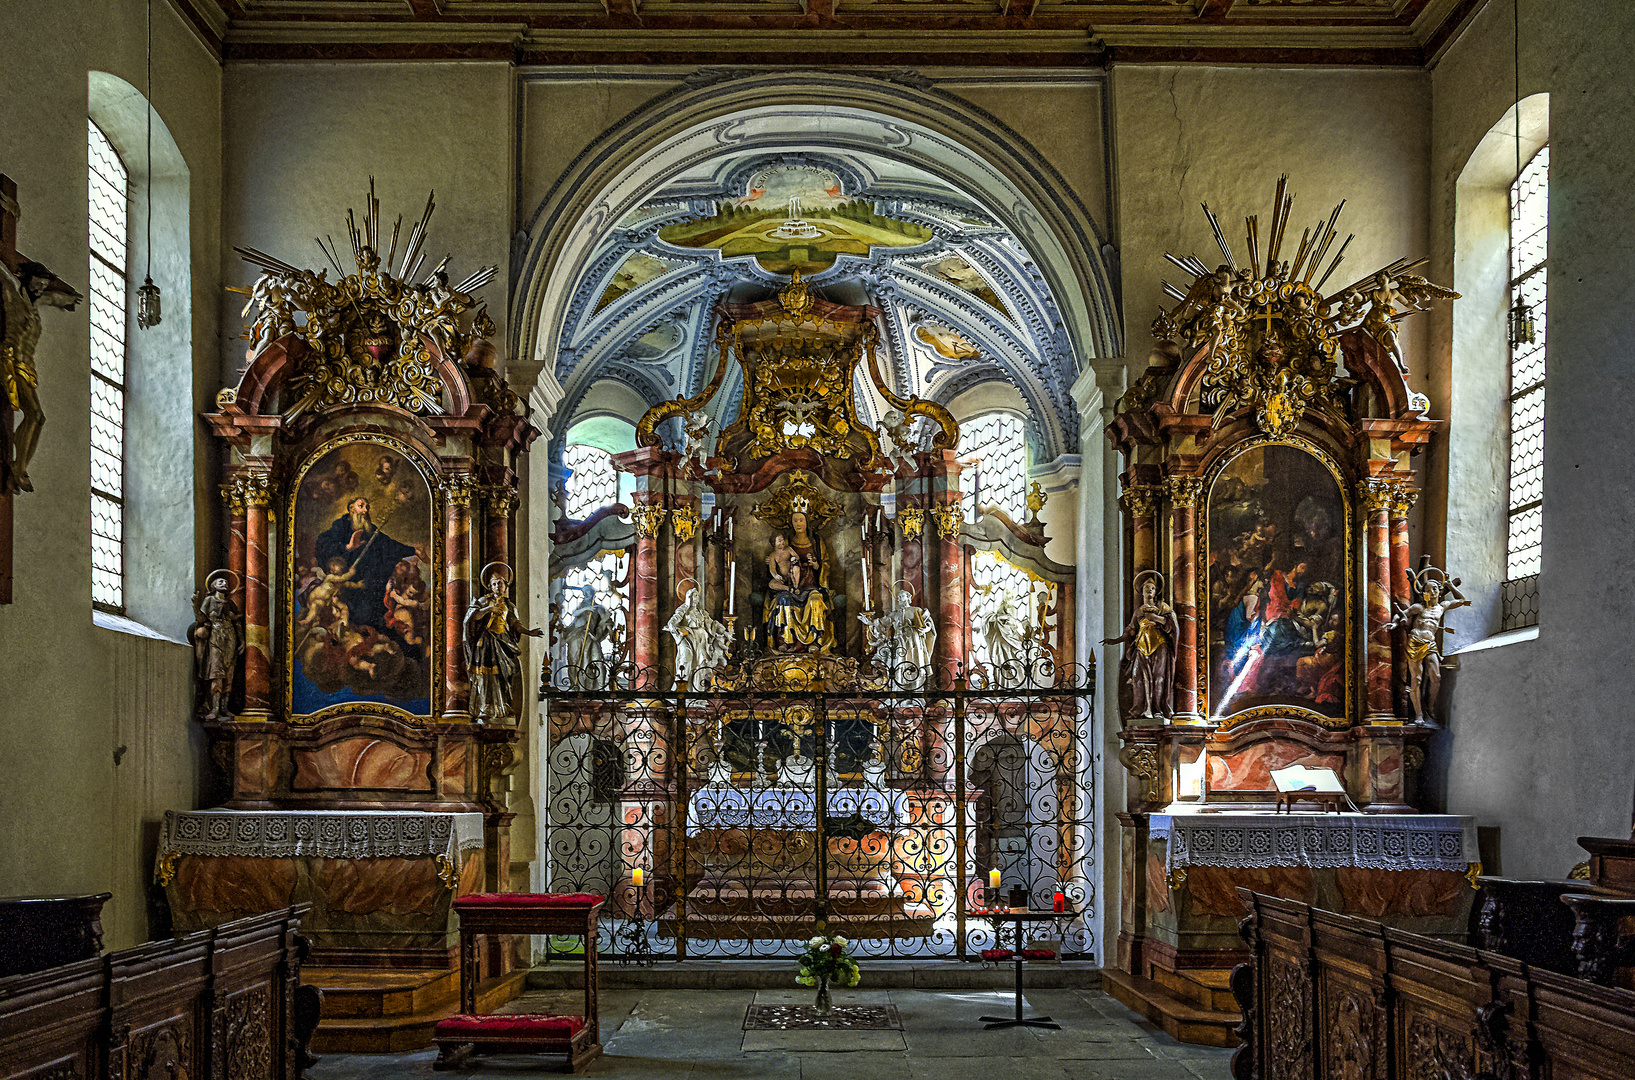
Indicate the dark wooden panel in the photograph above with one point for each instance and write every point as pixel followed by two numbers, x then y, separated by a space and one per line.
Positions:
pixel 1331 997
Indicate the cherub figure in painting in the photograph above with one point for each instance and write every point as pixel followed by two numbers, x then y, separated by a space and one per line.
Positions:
pixel 1438 594
pixel 324 604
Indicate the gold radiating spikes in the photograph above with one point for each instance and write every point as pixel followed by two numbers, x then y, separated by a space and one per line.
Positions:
pixel 1220 238
pixel 1252 227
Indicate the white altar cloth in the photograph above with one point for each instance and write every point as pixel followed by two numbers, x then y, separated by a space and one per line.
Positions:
pixel 327 834
pixel 790 808
pixel 1247 839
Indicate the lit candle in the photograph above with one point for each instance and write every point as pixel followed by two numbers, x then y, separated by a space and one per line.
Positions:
pixel 636 877
pixel 732 589
pixel 993 878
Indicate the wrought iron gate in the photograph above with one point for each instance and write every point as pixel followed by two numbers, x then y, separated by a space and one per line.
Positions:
pixel 728 824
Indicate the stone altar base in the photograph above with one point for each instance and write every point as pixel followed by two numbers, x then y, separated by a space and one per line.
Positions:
pixel 382 912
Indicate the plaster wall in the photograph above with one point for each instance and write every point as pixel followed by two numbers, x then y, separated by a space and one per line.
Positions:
pixel 1222 136
pixel 1539 730
pixel 302 141
pixel 94 723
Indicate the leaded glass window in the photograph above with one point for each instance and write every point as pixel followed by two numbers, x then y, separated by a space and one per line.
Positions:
pixel 999 475
pixel 109 193
pixel 592 481
pixel 1529 276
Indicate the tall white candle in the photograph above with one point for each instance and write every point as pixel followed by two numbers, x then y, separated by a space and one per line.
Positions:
pixel 865 563
pixel 729 530
pixel 732 591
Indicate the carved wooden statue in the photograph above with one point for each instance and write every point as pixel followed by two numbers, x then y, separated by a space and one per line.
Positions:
pixel 20 300
pixel 1148 667
pixel 1438 595
pixel 493 645
pixel 218 643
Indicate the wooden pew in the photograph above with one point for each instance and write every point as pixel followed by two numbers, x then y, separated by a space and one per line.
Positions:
pixel 218 1004
pixel 1328 996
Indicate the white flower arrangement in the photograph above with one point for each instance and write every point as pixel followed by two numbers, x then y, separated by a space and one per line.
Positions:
pixel 828 956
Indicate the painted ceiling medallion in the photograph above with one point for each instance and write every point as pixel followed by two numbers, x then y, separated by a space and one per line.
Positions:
pixel 795 217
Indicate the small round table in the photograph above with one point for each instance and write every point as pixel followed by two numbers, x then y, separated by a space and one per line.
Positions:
pixel 1018 916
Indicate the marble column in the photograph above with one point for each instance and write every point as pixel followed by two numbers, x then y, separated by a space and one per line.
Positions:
pixel 232 494
pixel 1375 497
pixel 499 503
pixel 644 630
pixel 1401 502
pixel 1183 494
pixel 457 490
pixel 947 518
pixel 258 647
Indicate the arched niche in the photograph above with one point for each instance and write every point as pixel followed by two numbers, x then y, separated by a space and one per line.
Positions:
pixel 1478 445
pixel 931 131
pixel 159 425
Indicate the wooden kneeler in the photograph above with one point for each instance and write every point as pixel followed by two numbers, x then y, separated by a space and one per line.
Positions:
pixel 577 1038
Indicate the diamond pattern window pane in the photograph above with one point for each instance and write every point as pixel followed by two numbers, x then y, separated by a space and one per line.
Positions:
pixel 107 555
pixel 999 442
pixel 1527 449
pixel 1530 215
pixel 108 193
pixel 592 482
pixel 1529 275
pixel 1526 536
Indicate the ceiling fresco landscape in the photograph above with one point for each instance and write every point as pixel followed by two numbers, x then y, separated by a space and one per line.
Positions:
pixel 961 302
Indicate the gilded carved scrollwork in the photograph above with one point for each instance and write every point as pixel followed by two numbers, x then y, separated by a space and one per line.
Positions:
pixel 648 520
pixel 948 518
pixel 1376 495
pixel 232 496
pixel 500 499
pixel 459 489
pixel 1183 490
pixel 256 488
pixel 1140 500
pixel 1403 501
pixel 912 522
pixel 684 522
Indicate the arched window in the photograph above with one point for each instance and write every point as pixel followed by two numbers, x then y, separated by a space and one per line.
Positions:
pixel 999 475
pixel 1529 276
pixel 109 198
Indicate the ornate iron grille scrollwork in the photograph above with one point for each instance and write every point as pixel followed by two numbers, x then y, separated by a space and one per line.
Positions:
pixel 822 799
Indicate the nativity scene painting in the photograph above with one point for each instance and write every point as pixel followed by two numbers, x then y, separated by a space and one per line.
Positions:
pixel 1278 619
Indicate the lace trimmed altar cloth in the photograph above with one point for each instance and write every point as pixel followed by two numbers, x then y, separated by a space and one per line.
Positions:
pixel 791 808
pixel 327 834
pixel 1373 841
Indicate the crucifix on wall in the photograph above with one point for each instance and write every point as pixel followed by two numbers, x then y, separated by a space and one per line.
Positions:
pixel 25 287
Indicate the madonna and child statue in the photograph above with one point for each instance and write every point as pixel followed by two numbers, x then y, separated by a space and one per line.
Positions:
pixel 798 605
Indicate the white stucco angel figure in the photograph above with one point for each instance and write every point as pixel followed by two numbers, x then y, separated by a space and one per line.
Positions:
pixel 901 430
pixel 702 643
pixel 274 318
pixel 1006 633
pixel 695 430
pixel 585 629
pixel 914 641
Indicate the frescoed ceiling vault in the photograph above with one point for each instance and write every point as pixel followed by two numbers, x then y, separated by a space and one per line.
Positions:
pixel 961 301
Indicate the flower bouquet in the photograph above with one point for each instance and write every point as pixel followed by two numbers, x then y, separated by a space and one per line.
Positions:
pixel 827 959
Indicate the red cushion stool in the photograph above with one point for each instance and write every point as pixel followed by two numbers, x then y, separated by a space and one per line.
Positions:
pixel 458 1037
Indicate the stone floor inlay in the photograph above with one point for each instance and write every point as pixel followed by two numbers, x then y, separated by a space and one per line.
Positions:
pixel 808 1018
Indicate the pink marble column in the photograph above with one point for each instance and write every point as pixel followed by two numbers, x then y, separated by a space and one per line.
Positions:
pixel 1183 493
pixel 457 490
pixel 232 494
pixel 947 518
pixel 1401 502
pixel 499 502
pixel 644 644
pixel 1375 498
pixel 257 487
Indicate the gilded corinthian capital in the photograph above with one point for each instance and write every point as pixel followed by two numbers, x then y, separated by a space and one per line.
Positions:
pixel 1140 500
pixel 1184 490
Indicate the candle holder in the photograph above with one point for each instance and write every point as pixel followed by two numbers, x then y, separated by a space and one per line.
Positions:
pixel 732 633
pixel 760 763
pixel 990 896
pixel 631 939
